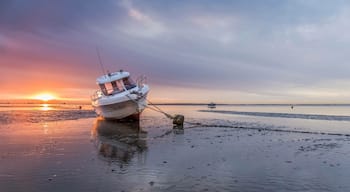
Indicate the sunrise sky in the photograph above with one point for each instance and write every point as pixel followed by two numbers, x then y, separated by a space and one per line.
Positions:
pixel 270 51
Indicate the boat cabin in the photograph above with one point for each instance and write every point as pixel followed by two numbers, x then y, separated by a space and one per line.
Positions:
pixel 116 82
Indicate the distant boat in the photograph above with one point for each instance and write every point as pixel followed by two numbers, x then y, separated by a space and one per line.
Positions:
pixel 119 97
pixel 211 105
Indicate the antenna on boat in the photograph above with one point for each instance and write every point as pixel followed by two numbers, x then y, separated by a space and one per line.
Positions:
pixel 100 61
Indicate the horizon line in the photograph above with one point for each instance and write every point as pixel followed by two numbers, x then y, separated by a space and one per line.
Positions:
pixel 33 101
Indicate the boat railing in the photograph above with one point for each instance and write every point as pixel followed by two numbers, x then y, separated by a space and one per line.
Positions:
pixel 98 94
pixel 140 81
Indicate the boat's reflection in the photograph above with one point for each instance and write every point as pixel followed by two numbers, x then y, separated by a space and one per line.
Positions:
pixel 119 141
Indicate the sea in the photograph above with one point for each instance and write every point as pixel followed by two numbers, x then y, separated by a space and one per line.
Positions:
pixel 66 147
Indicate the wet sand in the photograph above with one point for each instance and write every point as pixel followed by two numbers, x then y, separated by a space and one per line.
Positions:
pixel 213 154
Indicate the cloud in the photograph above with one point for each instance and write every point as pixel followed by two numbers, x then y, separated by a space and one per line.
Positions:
pixel 216 27
pixel 140 24
pixel 251 49
pixel 331 30
pixel 255 54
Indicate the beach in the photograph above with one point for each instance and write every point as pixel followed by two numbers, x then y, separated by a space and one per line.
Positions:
pixel 230 148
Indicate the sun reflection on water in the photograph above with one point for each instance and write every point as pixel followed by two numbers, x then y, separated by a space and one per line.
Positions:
pixel 45 128
pixel 45 107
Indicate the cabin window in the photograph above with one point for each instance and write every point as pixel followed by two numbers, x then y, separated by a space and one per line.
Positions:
pixel 117 86
pixel 114 86
pixel 120 85
pixel 109 88
pixel 103 89
pixel 128 83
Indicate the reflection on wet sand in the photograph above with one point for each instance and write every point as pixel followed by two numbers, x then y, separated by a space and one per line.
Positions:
pixel 119 141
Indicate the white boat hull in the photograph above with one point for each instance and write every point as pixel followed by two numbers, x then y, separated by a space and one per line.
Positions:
pixel 122 105
pixel 121 110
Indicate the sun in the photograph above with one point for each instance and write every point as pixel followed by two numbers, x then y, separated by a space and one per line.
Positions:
pixel 45 97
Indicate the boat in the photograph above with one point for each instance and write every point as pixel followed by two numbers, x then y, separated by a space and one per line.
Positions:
pixel 119 97
pixel 211 105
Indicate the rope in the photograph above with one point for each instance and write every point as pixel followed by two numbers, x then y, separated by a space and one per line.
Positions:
pixel 154 107
pixel 158 109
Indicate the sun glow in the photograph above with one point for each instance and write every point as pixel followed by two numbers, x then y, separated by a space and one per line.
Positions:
pixel 45 97
pixel 45 107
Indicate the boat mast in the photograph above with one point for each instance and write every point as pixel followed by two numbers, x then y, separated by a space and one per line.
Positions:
pixel 100 61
